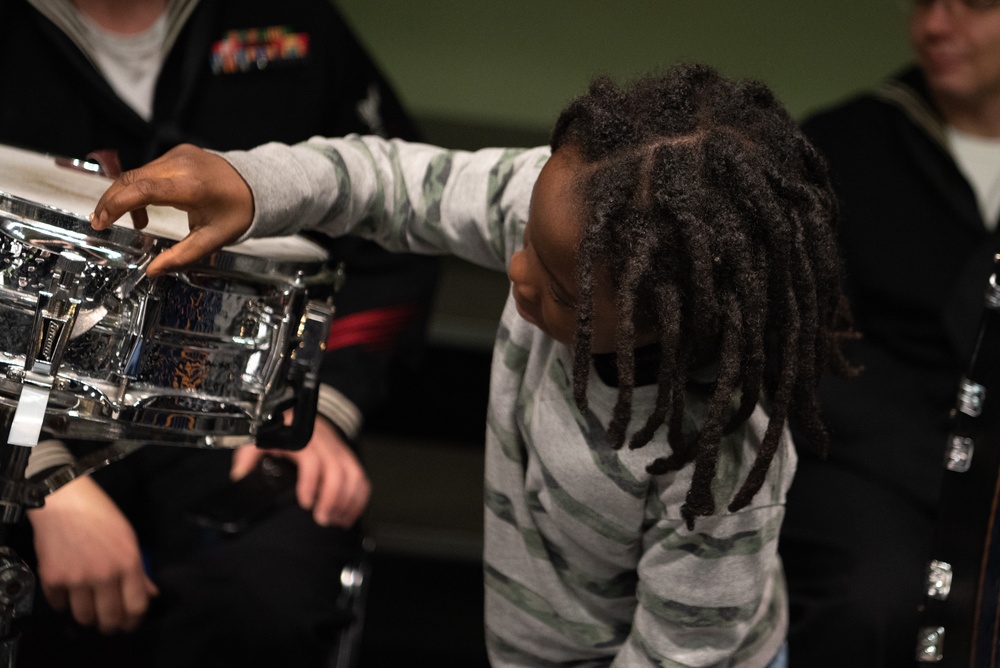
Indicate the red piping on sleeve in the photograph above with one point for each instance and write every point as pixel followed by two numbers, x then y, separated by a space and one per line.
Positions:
pixel 376 329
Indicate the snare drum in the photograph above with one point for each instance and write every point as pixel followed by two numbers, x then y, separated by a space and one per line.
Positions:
pixel 207 357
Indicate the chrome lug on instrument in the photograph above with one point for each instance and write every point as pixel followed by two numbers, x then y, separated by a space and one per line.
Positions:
pixel 313 329
pixel 55 314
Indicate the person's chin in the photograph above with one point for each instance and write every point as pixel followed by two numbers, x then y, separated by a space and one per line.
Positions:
pixel 944 74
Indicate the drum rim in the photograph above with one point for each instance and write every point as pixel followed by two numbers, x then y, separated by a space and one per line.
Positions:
pixel 35 215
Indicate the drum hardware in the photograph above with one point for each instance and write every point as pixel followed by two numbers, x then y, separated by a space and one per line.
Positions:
pixel 55 315
pixel 305 361
pixel 17 582
pixel 18 493
pixel 104 162
pixel 17 594
pixel 83 465
pixel 88 318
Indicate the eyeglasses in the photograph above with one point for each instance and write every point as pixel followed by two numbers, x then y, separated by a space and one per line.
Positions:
pixel 950 5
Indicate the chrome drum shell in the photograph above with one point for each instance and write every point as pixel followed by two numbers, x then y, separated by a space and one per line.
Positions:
pixel 199 358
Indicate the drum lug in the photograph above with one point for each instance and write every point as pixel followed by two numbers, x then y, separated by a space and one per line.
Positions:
pixel 314 328
pixel 55 314
pixel 303 375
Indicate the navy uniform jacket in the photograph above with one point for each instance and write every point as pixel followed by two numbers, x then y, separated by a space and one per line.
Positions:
pixel 859 526
pixel 917 257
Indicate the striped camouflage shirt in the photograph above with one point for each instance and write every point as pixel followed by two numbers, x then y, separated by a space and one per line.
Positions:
pixel 587 559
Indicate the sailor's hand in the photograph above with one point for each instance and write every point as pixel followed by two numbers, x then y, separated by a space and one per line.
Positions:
pixel 332 483
pixel 89 561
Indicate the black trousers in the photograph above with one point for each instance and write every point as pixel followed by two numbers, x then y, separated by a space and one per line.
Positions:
pixel 265 596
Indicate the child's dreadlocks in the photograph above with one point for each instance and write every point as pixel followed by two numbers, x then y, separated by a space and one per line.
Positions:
pixel 715 216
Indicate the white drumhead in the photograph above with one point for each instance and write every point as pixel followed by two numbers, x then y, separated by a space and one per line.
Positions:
pixel 37 177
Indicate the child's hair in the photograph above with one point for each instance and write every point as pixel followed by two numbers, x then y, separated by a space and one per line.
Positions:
pixel 715 217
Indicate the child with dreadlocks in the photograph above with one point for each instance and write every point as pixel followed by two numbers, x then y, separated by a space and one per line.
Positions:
pixel 675 296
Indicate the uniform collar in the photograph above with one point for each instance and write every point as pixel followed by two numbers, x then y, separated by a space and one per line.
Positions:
pixel 909 93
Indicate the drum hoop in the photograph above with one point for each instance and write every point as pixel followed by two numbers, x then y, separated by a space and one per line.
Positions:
pixel 16 211
pixel 36 216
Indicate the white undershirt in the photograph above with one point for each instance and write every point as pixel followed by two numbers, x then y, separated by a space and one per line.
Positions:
pixel 979 160
pixel 130 63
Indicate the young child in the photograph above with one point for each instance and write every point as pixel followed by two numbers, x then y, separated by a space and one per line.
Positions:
pixel 675 287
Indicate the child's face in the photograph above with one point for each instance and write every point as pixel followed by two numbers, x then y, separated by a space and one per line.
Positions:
pixel 544 272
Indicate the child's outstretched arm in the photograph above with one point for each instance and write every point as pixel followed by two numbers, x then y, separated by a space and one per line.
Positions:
pixel 406 197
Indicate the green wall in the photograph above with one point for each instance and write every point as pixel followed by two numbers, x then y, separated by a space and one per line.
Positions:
pixel 497 72
pixel 477 71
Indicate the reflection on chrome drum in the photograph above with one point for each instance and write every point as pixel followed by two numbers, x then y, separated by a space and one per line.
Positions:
pixel 203 358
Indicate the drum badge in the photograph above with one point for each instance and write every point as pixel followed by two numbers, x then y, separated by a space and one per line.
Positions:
pixel 252 49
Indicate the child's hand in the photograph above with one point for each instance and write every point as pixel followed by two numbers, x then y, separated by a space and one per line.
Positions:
pixel 217 200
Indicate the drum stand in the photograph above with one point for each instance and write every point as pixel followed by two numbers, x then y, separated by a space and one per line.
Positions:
pixel 17 582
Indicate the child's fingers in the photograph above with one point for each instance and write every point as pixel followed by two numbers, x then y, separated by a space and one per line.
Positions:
pixel 154 183
pixel 218 202
pixel 196 245
pixel 139 219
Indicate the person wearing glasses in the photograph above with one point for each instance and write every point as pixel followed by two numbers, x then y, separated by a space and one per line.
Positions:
pixel 916 164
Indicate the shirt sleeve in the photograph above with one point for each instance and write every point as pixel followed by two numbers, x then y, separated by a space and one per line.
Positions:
pixel 407 197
